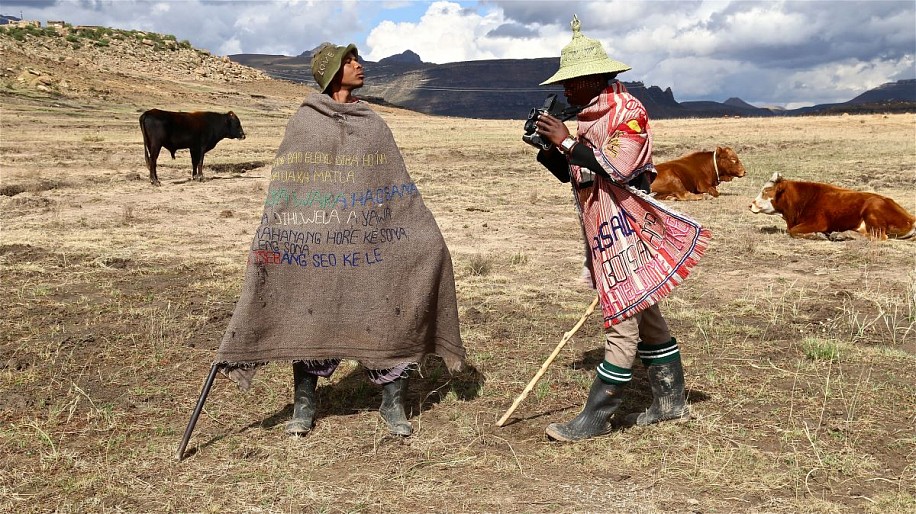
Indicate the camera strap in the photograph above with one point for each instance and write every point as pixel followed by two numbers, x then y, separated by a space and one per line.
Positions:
pixel 570 112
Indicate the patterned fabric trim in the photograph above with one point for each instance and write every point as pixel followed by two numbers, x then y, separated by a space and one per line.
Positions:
pixel 658 353
pixel 323 368
pixel 384 376
pixel 326 368
pixel 611 374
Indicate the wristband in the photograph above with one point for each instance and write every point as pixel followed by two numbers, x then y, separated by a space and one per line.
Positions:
pixel 567 144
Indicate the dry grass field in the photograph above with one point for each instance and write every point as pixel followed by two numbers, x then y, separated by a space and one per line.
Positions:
pixel 800 355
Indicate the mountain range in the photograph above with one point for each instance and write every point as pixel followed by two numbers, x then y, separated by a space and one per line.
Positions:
pixel 508 89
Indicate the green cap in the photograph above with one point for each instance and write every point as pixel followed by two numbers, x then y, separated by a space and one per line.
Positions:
pixel 326 62
pixel 584 56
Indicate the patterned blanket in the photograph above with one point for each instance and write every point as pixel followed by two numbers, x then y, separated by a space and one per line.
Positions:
pixel 640 249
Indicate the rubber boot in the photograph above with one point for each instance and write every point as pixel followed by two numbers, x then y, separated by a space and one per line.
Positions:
pixel 603 400
pixel 392 409
pixel 304 401
pixel 669 401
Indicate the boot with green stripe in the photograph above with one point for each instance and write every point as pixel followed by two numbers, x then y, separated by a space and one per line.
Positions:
pixel 594 420
pixel 666 377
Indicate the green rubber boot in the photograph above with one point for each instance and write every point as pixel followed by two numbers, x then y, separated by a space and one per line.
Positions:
pixel 603 400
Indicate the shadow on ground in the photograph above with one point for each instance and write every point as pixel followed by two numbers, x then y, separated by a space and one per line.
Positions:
pixel 353 393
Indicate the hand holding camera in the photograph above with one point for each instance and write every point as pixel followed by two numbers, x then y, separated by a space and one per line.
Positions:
pixel 544 127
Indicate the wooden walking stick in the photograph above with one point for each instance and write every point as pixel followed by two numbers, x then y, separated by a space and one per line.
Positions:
pixel 566 337
pixel 200 406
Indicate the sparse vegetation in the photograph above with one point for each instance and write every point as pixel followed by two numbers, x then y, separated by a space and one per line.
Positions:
pixel 818 349
pixel 20 33
pixel 96 36
pixel 800 355
pixel 480 265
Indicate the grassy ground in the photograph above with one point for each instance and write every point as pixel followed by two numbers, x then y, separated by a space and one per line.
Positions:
pixel 800 355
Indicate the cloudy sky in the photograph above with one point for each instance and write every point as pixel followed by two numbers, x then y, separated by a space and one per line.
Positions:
pixel 787 53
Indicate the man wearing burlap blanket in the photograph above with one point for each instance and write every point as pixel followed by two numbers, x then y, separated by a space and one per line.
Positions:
pixel 348 262
pixel 638 249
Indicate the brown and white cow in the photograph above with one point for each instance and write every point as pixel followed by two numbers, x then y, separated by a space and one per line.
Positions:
pixel 690 176
pixel 814 210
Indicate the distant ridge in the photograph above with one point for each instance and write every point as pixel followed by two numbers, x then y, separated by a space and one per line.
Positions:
pixel 508 89
pixel 900 91
pixel 737 102
pixel 406 57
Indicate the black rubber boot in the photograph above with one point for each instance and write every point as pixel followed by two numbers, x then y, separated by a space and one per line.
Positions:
pixel 669 401
pixel 603 400
pixel 392 409
pixel 304 401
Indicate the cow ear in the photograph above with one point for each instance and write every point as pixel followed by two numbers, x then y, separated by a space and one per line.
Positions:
pixel 778 189
pixel 776 177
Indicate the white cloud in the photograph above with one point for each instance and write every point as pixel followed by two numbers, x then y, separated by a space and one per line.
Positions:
pixel 161 8
pixel 838 81
pixel 765 52
pixel 230 47
pixel 445 33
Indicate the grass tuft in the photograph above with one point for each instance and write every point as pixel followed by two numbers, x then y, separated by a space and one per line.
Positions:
pixel 481 265
pixel 820 350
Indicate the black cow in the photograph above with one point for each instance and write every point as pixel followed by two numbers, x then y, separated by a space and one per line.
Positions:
pixel 196 131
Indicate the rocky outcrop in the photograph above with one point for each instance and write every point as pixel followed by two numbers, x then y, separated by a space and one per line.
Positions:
pixel 78 63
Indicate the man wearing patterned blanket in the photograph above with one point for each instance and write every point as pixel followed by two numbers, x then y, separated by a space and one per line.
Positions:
pixel 639 250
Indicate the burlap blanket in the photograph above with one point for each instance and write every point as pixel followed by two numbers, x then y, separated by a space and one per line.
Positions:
pixel 348 261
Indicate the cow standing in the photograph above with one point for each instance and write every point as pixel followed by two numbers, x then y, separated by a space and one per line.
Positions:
pixel 197 131
pixel 813 210
pixel 688 177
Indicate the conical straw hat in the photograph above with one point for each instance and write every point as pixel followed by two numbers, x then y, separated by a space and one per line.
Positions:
pixel 583 56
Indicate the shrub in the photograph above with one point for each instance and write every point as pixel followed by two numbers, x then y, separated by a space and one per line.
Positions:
pixel 480 265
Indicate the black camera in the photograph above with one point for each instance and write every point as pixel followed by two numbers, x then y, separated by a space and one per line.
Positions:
pixel 551 107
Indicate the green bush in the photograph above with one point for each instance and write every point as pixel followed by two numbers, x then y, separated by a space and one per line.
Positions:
pixel 94 34
pixel 19 33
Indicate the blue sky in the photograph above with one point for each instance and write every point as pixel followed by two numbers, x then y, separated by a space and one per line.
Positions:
pixel 786 53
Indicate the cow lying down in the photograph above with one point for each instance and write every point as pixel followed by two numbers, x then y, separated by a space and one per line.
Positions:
pixel 814 210
pixel 696 175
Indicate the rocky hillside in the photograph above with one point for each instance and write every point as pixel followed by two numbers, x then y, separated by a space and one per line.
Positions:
pixel 508 89
pixel 100 64
pixel 494 88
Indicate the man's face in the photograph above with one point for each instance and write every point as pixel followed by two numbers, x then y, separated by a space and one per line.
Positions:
pixel 581 90
pixel 351 70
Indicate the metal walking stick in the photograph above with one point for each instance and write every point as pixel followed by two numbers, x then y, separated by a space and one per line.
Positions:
pixel 200 406
pixel 556 351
